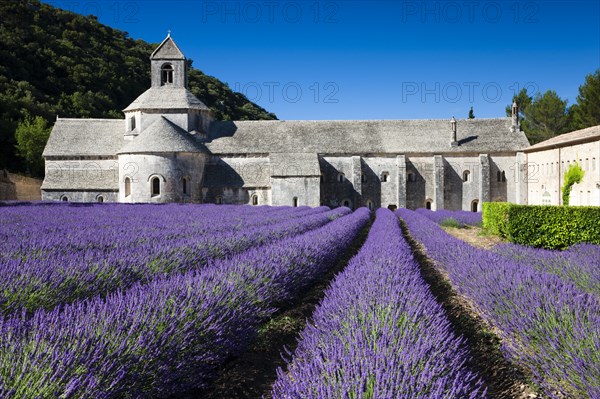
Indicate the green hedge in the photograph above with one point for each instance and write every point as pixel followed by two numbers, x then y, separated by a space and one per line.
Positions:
pixel 553 227
pixel 494 217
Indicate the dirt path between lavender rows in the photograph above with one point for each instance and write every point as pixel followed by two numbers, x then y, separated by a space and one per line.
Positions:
pixel 474 236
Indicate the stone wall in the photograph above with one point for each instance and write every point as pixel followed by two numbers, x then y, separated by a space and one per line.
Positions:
pixel 81 196
pixel 546 171
pixel 17 187
pixel 295 191
pixel 170 169
pixel 8 190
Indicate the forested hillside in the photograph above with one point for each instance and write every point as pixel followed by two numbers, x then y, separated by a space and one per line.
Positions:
pixel 55 62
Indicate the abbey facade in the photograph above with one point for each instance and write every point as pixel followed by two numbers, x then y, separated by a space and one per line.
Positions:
pixel 169 148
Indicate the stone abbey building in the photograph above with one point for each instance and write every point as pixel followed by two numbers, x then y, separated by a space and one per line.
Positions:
pixel 169 148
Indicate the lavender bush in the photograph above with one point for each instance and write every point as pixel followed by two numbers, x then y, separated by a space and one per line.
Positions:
pixel 548 325
pixel 462 218
pixel 379 333
pixel 579 263
pixel 167 336
pixel 72 254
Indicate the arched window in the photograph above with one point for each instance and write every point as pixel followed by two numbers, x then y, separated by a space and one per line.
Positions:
pixel 166 74
pixel 428 204
pixel 127 186
pixel 100 199
pixel 474 205
pixel 503 177
pixel 185 185
pixel 466 176
pixel 346 203
pixel 255 199
pixel 363 178
pixel 341 177
pixel 155 183
pixel 64 198
pixel 295 202
pixel 499 176
pixel 384 177
pixel 219 200
pixel 370 205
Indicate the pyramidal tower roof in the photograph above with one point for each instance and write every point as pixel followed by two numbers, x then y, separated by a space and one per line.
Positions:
pixel 160 137
pixel 167 50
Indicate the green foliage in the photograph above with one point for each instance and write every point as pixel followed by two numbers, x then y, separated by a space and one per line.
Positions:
pixel 552 227
pixel 542 117
pixel 31 136
pixel 586 112
pixel 451 222
pixel 523 100
pixel 494 217
pixel 224 102
pixel 471 114
pixel 55 62
pixel 572 176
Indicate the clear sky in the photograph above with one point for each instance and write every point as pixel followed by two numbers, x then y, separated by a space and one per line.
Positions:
pixel 373 59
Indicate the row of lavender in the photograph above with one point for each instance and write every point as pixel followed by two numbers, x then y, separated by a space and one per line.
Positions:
pixel 379 332
pixel 462 218
pixel 548 324
pixel 167 336
pixel 579 263
pixel 104 248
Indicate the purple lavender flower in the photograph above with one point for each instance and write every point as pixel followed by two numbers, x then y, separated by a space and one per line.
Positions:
pixel 547 324
pixel 168 335
pixel 379 333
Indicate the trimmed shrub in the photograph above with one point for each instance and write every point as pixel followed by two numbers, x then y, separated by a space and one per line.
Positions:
pixel 495 216
pixel 552 227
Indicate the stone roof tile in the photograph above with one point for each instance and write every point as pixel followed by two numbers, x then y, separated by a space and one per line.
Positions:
pixel 365 137
pixel 85 137
pixel 168 50
pixel 562 140
pixel 166 97
pixel 160 137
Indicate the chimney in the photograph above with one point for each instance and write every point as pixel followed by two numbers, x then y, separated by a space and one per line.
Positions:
pixel 454 142
pixel 515 118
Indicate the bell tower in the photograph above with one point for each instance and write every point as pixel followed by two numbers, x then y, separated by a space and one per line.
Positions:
pixel 168 65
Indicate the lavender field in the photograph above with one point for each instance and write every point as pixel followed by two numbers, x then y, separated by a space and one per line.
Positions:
pixel 151 301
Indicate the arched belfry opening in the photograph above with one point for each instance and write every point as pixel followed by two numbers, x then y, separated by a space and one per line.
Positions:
pixel 166 74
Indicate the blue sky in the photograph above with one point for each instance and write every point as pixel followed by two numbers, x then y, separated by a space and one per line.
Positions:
pixel 374 59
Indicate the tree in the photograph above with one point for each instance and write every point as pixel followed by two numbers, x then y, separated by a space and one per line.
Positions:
pixel 471 114
pixel 542 117
pixel 547 116
pixel 523 100
pixel 31 136
pixel 586 112
pixel 573 175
